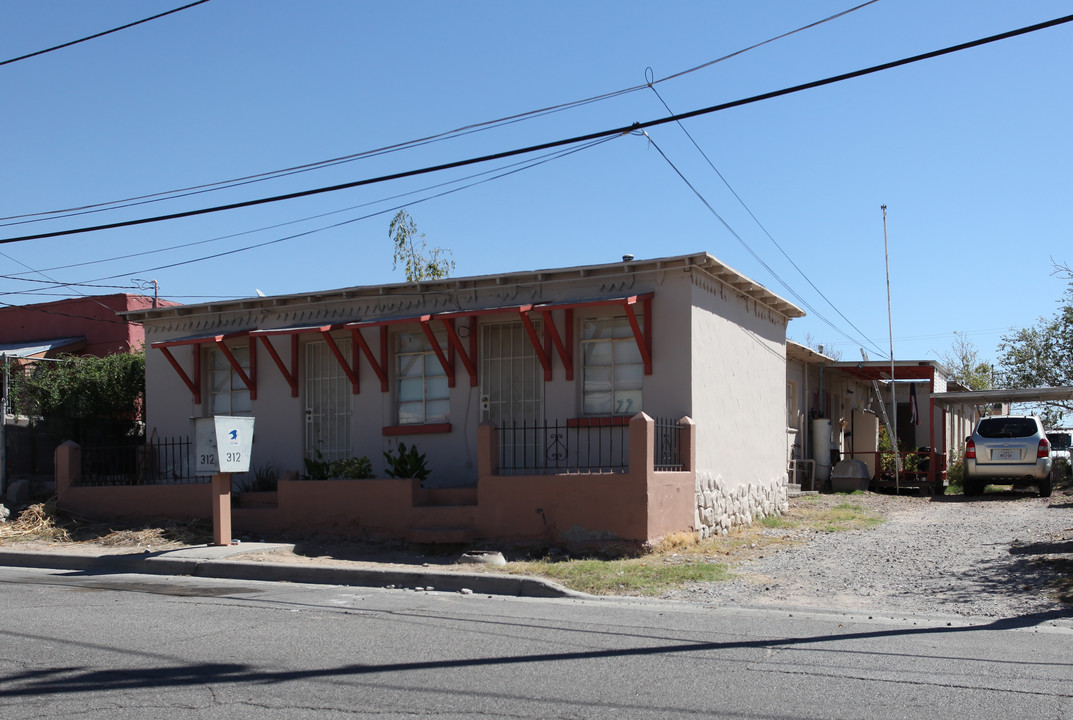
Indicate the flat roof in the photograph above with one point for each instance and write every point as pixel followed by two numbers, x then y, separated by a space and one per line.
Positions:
pixel 701 261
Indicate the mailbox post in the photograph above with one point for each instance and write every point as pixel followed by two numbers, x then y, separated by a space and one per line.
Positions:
pixel 223 444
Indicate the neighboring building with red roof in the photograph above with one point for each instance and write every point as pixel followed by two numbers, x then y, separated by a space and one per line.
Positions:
pixel 79 326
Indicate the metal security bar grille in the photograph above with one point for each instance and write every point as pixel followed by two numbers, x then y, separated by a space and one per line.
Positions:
pixel 328 402
pixel 556 448
pixel 668 445
pixel 161 462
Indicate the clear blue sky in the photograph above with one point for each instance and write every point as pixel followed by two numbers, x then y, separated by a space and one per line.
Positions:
pixel 970 152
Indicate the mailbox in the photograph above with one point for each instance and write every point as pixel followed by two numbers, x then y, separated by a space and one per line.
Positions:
pixel 222 444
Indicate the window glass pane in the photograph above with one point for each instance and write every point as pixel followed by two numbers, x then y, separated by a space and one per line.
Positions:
pixel 622 328
pixel 220 381
pixel 410 365
pixel 411 413
pixel 437 411
pixel 220 404
pixel 628 377
pixel 597 353
pixel 411 389
pixel 436 388
pixel 626 351
pixel 597 403
pixel 432 365
pixel 628 402
pixel 597 378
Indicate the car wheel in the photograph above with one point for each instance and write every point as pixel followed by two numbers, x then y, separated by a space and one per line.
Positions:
pixel 1045 487
pixel 971 486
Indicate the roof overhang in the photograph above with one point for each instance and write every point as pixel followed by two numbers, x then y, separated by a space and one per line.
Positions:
pixel 1008 395
pixel 874 370
pixel 42 348
pixel 599 274
pixel 802 354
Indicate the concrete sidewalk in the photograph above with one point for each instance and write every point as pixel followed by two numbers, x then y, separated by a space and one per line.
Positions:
pixel 210 561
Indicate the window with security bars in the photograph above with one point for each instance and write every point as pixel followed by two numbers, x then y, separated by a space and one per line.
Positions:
pixel 421 392
pixel 512 378
pixel 329 402
pixel 228 395
pixel 612 369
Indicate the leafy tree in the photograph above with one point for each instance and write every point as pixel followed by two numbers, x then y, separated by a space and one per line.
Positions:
pixel 94 399
pixel 1042 355
pixel 419 261
pixel 963 362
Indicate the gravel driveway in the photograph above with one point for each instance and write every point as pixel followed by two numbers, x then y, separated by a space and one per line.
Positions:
pixel 996 556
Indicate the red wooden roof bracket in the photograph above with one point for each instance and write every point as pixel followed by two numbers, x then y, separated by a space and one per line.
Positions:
pixel 542 352
pixel 379 367
pixel 469 359
pixel 290 376
pixel 565 343
pixel 643 338
pixel 250 381
pixel 195 384
pixel 446 362
pixel 351 371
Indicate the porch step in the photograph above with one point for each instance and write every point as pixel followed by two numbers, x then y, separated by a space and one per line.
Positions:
pixel 441 535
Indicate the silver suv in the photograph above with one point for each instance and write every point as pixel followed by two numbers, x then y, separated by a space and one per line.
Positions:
pixel 1005 449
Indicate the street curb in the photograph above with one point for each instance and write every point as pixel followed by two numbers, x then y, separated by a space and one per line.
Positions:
pixel 159 564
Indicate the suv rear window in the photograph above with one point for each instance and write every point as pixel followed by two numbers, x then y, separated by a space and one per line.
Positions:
pixel 1007 427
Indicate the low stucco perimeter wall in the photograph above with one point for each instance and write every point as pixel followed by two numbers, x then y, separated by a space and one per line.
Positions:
pixel 720 508
pixel 171 502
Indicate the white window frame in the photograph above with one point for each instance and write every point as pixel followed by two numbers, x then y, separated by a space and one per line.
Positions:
pixel 416 367
pixel 620 363
pixel 227 393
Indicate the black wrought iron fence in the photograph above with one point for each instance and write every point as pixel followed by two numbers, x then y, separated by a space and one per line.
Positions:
pixel 159 462
pixel 668 445
pixel 551 448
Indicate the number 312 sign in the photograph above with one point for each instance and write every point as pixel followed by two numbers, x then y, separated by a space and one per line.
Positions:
pixel 223 444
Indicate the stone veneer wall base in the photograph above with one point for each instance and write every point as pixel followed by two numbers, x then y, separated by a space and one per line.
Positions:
pixel 720 509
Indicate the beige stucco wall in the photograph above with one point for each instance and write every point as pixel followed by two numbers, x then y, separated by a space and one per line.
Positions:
pixel 739 385
pixel 280 426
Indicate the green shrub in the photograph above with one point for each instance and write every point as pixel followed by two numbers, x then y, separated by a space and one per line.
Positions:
pixel 355 468
pixel 406 463
pixel 264 479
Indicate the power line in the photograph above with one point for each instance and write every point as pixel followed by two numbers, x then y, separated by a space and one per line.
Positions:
pixel 744 244
pixel 556 143
pixel 101 34
pixel 760 225
pixel 450 134
pixel 498 172
pixel 513 168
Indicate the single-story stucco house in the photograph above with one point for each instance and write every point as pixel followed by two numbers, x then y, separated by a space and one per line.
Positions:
pixel 623 401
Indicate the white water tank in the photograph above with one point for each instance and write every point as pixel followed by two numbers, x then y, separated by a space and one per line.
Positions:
pixel 821 447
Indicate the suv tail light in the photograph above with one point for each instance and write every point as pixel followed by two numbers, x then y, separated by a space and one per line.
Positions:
pixel 1044 449
pixel 970 450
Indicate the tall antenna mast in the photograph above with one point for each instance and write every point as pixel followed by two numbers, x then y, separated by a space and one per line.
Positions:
pixel 893 395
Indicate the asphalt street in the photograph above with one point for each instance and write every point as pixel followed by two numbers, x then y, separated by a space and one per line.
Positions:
pixel 98 644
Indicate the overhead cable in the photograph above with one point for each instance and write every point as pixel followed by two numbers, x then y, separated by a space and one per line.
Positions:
pixel 101 34
pixel 512 169
pixel 457 132
pixel 760 225
pixel 553 144
pixel 744 244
